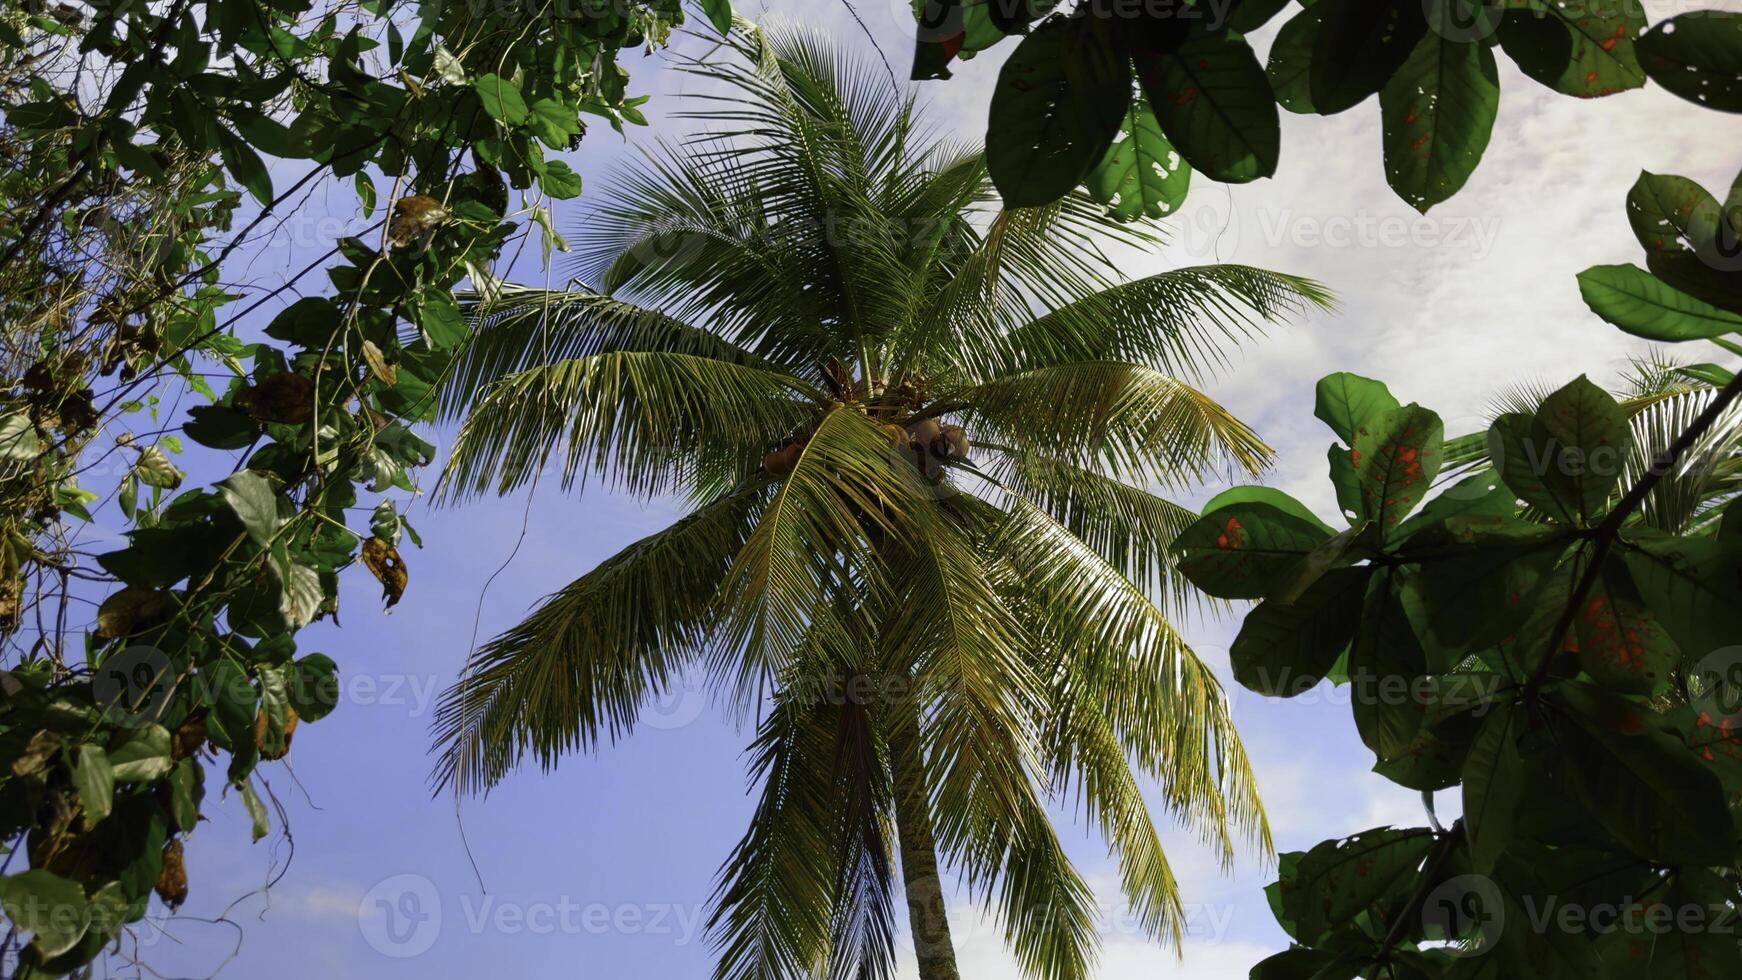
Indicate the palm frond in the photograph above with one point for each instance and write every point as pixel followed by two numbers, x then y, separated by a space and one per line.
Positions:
pixel 1130 419
pixel 577 671
pixel 649 421
pixel 520 327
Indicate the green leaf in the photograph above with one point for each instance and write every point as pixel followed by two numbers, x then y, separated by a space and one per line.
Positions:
pixel 719 14
pixel 560 181
pixel 1590 439
pixel 1396 455
pixel 1301 963
pixel 186 785
pixel 48 906
pixel 1214 103
pixel 1285 649
pixel 1575 47
pixel 1142 174
pixel 1385 668
pixel 275 708
pixel 1522 453
pixel 1494 785
pixel 254 499
pixel 244 164
pixel 1359 46
pixel 1642 784
pixel 1291 61
pixel 1439 112
pixel 1059 102
pixel 1339 879
pixel 1698 56
pixel 1622 643
pixel 554 123
pixel 1693 585
pixel 501 99
pixel 1669 214
pixel 232 700
pixel 314 687
pixel 1246 550
pixel 95 780
pixel 259 823
pixel 440 320
pixel 1266 495
pixel 1347 401
pixel 1646 306
pixel 18 438
pixel 144 758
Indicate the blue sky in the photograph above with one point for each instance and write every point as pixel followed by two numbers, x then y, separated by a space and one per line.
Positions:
pixel 603 868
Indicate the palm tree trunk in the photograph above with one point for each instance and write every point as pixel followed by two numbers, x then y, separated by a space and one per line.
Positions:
pixel 919 858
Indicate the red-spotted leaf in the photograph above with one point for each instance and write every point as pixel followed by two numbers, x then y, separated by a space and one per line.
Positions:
pixel 1246 550
pixel 1574 46
pixel 1622 644
pixel 1396 455
pixel 1439 111
pixel 1339 879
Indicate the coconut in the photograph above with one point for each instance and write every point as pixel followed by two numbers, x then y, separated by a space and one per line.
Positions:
pixel 956 438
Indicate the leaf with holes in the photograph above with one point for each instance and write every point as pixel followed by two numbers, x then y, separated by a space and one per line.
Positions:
pixel 1214 103
pixel 1142 174
pixel 1698 56
pixel 1059 102
pixel 1574 46
pixel 1438 112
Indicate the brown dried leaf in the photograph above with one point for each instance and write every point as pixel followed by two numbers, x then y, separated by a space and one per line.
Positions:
pixel 172 880
pixel 378 366
pixel 383 561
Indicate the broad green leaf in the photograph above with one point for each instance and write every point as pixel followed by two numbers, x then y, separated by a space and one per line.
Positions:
pixel 1386 666
pixel 1285 649
pixel 275 709
pixel 1266 495
pixel 1527 463
pixel 1622 643
pixel 1214 103
pixel 1693 586
pixel 1346 401
pixel 1685 931
pixel 1438 111
pixel 440 320
pixel 232 701
pixel 1249 15
pixel 1646 306
pixel 143 758
pixel 1339 879
pixel 1641 784
pixel 1347 484
pixel 1478 495
pixel 1142 175
pixel 1575 47
pixel 1058 104
pixel 1396 455
pixel 244 164
pixel 1494 785
pixel 560 181
pixel 719 14
pixel 186 785
pixel 48 906
pixel 254 499
pixel 1246 550
pixel 95 780
pixel 554 123
pixel 1360 45
pixel 1590 440
pixel 1698 56
pixel 502 99
pixel 314 687
pixel 1670 214
pixel 1291 59
pixel 1301 963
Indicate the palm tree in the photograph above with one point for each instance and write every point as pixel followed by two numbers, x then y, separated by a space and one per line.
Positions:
pixel 915 431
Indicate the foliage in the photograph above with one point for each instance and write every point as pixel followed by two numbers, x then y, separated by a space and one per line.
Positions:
pixel 1090 81
pixel 917 431
pixel 138 138
pixel 1553 635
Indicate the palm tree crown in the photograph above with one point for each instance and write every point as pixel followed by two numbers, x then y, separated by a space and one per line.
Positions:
pixel 915 430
